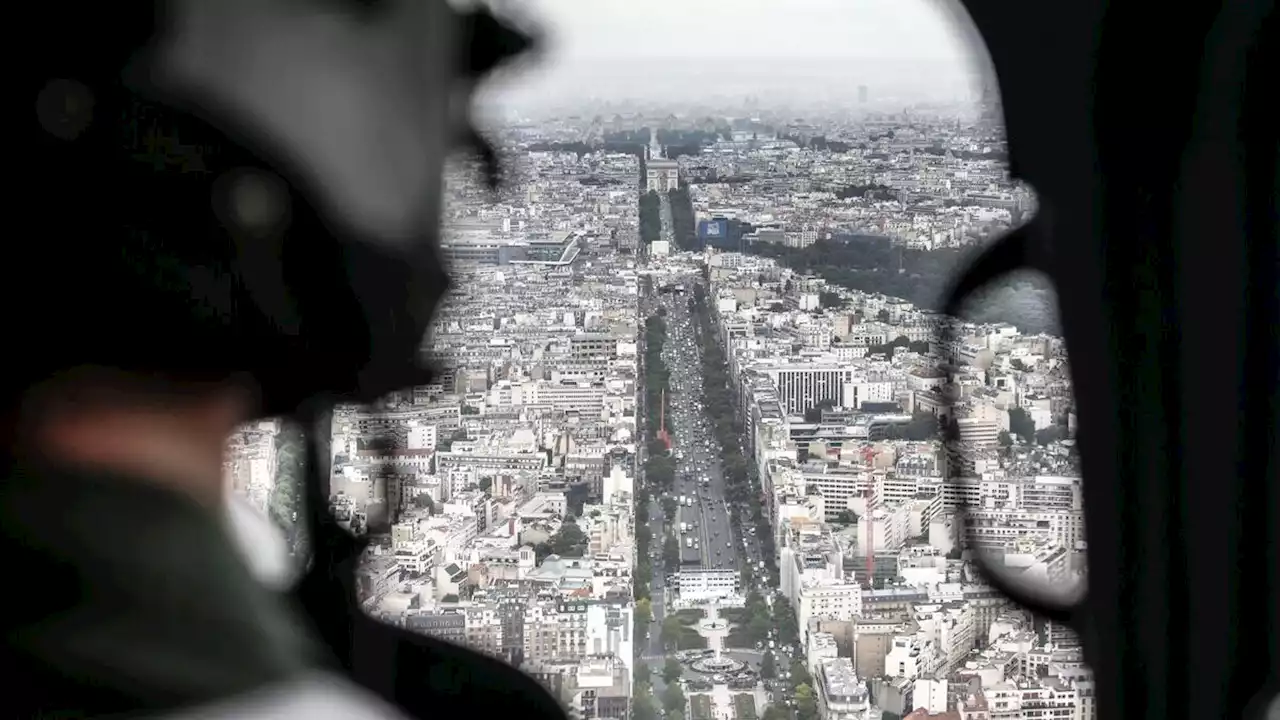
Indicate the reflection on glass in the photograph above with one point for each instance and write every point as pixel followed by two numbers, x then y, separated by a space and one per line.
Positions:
pixel 1024 508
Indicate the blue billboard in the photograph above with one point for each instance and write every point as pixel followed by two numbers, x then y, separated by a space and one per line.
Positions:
pixel 713 230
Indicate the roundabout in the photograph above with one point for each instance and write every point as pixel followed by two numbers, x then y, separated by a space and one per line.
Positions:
pixel 718 665
pixel 715 629
pixel 722 674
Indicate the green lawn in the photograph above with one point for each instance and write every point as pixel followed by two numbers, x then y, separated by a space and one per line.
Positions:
pixel 744 706
pixel 700 707
pixel 738 638
pixel 737 618
pixel 690 616
pixel 689 639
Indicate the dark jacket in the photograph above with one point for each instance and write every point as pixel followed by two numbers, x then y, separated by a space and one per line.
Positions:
pixel 125 599
pixel 128 598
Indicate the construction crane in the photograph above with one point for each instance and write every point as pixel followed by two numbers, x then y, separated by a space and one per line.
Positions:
pixel 663 435
pixel 868 497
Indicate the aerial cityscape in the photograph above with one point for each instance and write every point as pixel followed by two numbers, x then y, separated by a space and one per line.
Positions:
pixel 684 457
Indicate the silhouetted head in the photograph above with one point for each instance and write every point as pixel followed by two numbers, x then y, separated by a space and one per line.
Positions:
pixel 228 208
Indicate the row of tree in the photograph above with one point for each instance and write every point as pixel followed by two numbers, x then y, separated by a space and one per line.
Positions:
pixel 873 264
pixel 692 138
pixel 756 620
pixel 742 488
pixel 1024 428
pixel 656 379
pixel 645 706
pixel 829 300
pixel 671 632
pixel 994 155
pixel 820 142
pixel 741 477
pixel 915 346
pixel 682 219
pixel 568 541
pixel 659 477
pixel 660 467
pixel 286 502
pixel 870 263
pixel 581 148
pixel 650 218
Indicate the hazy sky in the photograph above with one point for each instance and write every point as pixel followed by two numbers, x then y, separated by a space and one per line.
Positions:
pixel 731 45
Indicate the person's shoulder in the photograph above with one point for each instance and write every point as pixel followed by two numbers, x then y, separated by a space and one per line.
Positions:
pixel 320 696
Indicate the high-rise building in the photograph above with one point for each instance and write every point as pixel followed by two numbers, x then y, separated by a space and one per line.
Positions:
pixel 862 94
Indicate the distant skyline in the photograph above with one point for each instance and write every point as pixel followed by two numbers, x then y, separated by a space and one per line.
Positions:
pixel 806 49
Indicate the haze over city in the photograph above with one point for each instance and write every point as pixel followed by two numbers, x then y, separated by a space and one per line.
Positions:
pixel 805 53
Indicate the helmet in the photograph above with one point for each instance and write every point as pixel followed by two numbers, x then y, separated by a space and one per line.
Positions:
pixel 223 187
